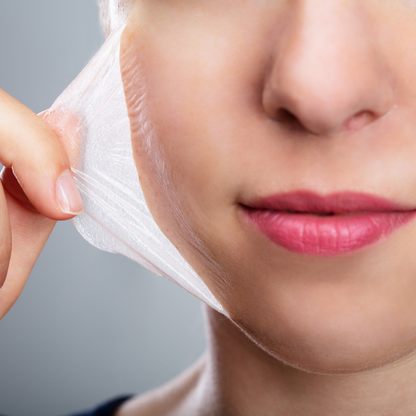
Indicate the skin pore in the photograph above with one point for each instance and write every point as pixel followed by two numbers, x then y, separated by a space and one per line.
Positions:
pixel 235 100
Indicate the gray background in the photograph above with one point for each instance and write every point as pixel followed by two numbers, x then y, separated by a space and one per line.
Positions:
pixel 89 325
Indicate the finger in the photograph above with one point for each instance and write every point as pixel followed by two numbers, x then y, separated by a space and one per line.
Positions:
pixel 67 125
pixel 30 232
pixel 39 162
pixel 5 237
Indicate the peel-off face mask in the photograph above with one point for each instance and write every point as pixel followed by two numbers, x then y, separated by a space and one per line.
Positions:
pixel 91 119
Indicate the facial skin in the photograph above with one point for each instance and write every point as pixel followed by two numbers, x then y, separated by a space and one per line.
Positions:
pixel 209 86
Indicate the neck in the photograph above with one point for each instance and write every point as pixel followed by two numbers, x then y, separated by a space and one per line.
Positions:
pixel 245 380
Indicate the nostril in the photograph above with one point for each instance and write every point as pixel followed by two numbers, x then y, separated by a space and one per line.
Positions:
pixel 359 120
pixel 354 123
pixel 286 117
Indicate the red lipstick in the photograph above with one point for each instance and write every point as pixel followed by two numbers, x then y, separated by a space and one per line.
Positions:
pixel 307 223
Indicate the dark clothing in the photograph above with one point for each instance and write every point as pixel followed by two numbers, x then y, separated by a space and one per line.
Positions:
pixel 106 409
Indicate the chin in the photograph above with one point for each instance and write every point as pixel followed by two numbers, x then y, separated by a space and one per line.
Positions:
pixel 331 344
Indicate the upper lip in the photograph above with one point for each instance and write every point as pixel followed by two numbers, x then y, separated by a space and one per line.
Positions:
pixel 336 203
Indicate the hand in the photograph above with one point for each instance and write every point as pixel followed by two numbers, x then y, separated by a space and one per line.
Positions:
pixel 36 189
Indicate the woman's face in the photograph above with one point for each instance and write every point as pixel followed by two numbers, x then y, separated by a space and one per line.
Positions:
pixel 252 121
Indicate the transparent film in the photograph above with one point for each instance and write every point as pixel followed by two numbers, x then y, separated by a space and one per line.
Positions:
pixel 91 115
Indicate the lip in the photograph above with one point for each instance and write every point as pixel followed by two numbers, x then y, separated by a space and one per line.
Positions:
pixel 307 223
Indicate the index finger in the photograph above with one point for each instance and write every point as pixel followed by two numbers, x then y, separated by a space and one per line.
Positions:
pixel 39 161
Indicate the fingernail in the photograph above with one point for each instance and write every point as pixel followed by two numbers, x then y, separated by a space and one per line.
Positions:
pixel 67 194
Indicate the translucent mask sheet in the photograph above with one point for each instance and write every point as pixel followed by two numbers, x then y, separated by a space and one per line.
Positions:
pixel 92 117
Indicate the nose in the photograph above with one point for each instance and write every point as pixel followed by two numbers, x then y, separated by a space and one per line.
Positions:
pixel 328 74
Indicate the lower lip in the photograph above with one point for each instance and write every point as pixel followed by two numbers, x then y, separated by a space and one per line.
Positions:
pixel 326 235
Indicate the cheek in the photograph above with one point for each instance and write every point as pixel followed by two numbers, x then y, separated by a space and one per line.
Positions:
pixel 180 174
pixel 184 113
